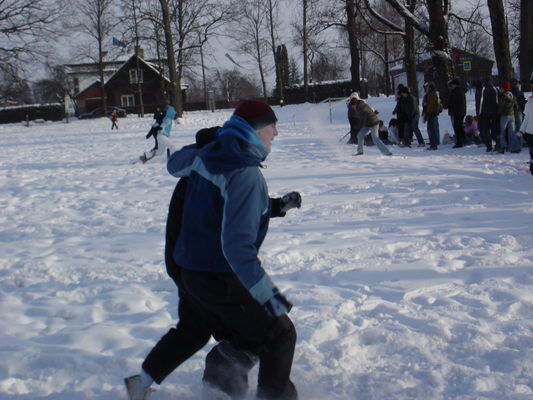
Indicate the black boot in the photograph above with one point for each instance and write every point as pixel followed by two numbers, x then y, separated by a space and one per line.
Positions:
pixel 226 368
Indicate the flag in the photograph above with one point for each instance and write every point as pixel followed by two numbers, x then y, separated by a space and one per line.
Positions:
pixel 233 61
pixel 118 43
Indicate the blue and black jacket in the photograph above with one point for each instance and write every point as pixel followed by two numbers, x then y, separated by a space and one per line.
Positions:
pixel 227 207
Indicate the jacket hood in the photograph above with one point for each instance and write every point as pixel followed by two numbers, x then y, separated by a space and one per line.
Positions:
pixel 236 145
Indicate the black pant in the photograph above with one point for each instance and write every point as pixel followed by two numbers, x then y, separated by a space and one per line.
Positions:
pixel 245 323
pixel 195 327
pixel 489 127
pixel 353 130
pixel 529 140
pixel 458 129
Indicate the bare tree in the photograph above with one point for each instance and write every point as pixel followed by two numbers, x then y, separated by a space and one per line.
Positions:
pixel 133 19
pixel 500 39
pixel 175 84
pixel 96 21
pixel 55 87
pixel 24 26
pixel 436 31
pixel 249 32
pixel 471 34
pixel 272 7
pixel 307 29
pixel 234 85
pixel 353 40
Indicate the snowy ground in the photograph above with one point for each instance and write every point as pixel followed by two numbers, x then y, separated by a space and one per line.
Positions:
pixel 411 275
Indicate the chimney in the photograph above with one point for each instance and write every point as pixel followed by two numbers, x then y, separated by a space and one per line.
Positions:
pixel 139 52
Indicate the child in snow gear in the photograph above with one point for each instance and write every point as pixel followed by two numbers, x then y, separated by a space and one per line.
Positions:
pixel 160 130
pixel 114 119
pixel 219 271
pixel 194 329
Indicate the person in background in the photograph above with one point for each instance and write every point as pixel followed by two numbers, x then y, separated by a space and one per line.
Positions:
pixel 226 213
pixel 114 120
pixel 471 130
pixel 355 125
pixel 398 111
pixel 520 101
pixel 430 113
pixel 393 131
pixel 412 115
pixel 507 107
pixel 383 133
pixel 369 123
pixel 457 110
pixel 487 112
pixel 527 126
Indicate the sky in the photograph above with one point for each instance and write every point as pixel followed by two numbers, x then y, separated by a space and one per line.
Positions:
pixel 411 275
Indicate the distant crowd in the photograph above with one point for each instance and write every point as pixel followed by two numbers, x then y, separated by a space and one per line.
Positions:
pixel 503 121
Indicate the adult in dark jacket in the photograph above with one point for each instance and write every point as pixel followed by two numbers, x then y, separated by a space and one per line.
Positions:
pixel 355 124
pixel 398 111
pixel 487 112
pixel 457 110
pixel 409 107
pixel 226 214
pixel 430 112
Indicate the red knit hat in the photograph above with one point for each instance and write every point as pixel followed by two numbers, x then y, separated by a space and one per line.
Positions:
pixel 506 86
pixel 258 113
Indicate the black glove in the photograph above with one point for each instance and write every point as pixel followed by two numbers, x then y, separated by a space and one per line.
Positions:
pixel 290 200
pixel 277 305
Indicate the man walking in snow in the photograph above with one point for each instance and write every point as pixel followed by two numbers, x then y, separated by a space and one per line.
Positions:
pixel 226 213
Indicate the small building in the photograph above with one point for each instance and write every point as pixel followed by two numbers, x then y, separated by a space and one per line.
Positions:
pixel 122 83
pixel 468 67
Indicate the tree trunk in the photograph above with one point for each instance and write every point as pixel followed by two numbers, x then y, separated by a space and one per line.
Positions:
pixel 410 54
pixel 279 84
pixel 137 55
pixel 500 37
pixel 388 86
pixel 175 87
pixel 351 24
pixel 306 84
pixel 260 65
pixel 441 52
pixel 526 42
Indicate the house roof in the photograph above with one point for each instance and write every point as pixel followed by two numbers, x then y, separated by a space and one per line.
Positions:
pixel 142 61
pixel 90 85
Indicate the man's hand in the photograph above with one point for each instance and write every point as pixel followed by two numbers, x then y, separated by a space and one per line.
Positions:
pixel 290 200
pixel 277 305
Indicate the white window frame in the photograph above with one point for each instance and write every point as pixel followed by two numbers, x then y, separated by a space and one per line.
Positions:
pixel 127 100
pixel 133 75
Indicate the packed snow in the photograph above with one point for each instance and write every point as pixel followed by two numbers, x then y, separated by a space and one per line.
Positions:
pixel 411 275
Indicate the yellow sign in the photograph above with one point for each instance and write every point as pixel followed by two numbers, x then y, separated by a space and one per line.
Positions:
pixel 467 65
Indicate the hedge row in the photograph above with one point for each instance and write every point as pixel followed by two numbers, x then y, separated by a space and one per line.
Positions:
pixel 48 112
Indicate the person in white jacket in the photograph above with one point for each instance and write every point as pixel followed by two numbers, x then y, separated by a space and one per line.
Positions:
pixel 527 126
